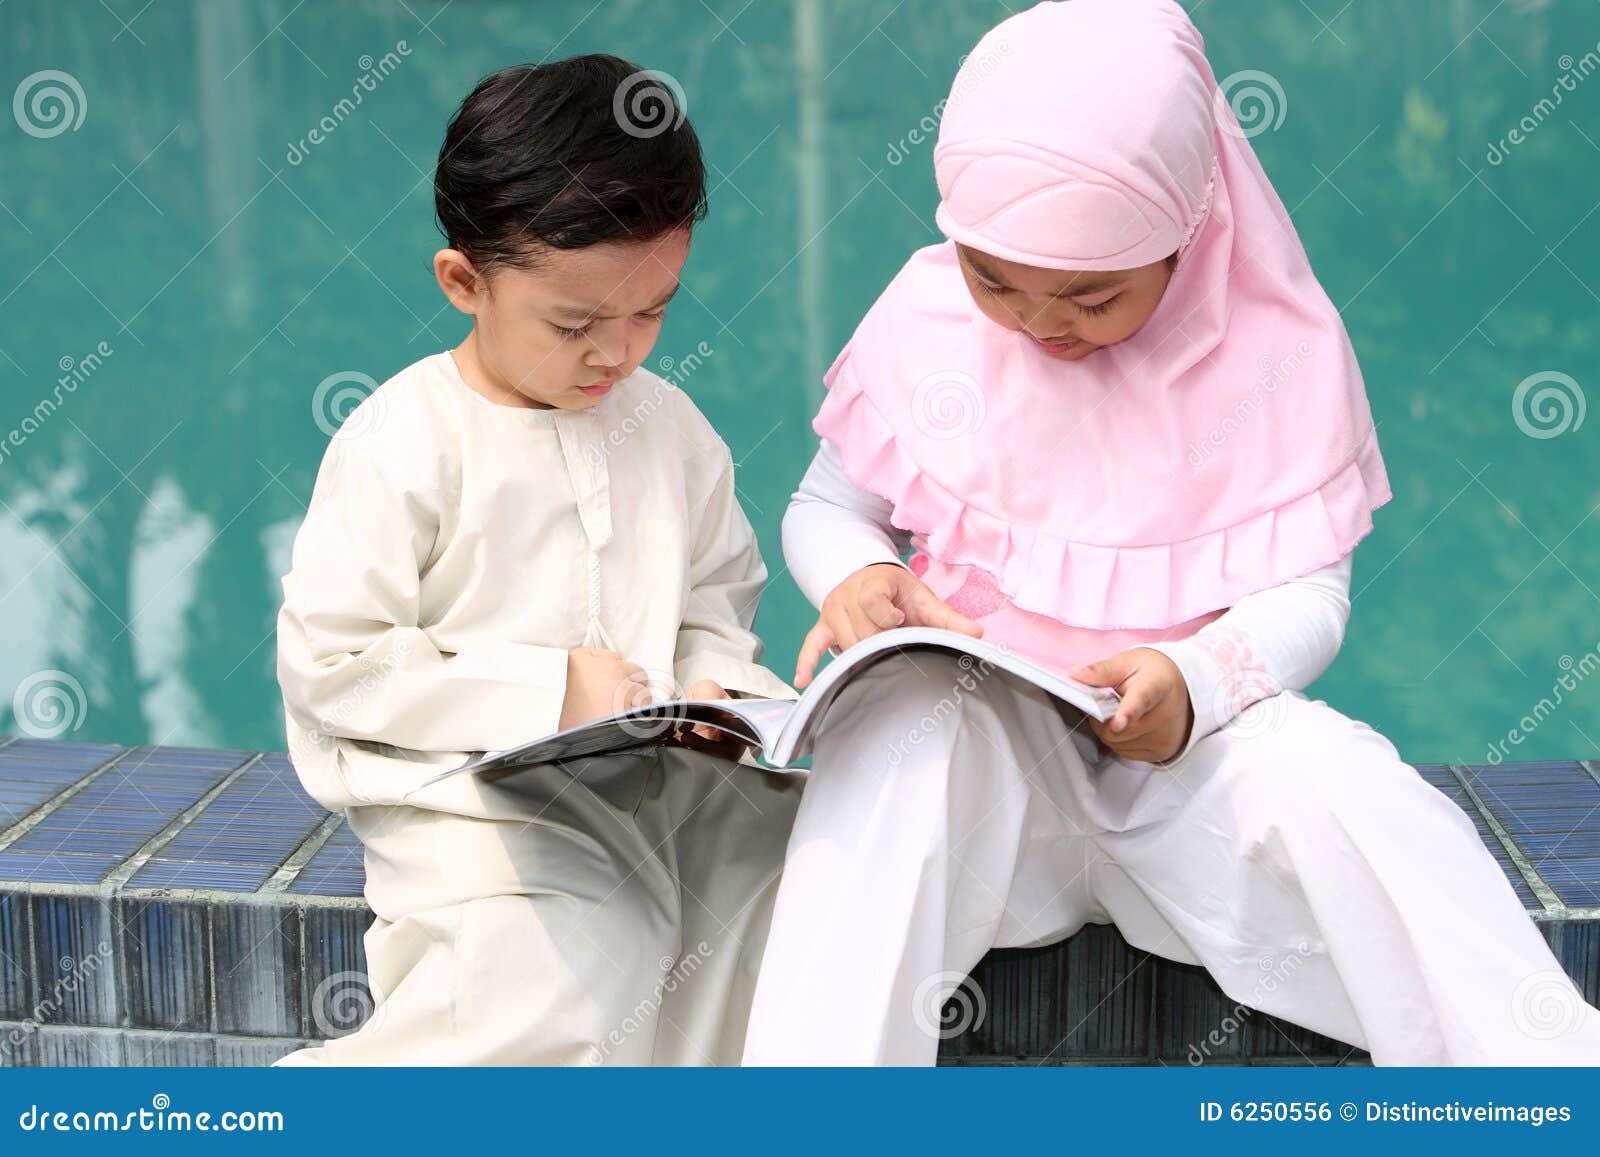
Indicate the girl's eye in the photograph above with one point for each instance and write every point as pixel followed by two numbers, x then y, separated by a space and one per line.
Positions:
pixel 653 317
pixel 1101 307
pixel 570 333
pixel 997 290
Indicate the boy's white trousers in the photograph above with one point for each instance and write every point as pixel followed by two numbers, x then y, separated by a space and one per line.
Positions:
pixel 947 814
pixel 606 911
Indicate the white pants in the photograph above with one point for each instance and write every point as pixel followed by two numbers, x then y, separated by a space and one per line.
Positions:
pixel 947 814
pixel 607 911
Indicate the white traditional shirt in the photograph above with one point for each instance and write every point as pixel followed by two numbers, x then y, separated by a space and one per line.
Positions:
pixel 456 548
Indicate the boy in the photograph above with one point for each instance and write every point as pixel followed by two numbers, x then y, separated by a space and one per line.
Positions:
pixel 513 537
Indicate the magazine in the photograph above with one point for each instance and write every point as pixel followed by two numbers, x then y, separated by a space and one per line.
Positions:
pixel 780 730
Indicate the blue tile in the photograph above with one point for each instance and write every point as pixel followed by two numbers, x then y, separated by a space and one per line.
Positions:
pixel 174 1050
pixel 19 1044
pixel 79 1047
pixel 55 867
pixel 17 970
pixel 1579 953
pixel 166 946
pixel 76 955
pixel 164 873
pixel 257 969
pixel 1195 1022
pixel 335 999
pixel 242 1052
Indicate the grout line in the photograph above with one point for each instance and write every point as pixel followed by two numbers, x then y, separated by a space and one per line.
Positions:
pixel 1542 891
pixel 123 872
pixel 290 869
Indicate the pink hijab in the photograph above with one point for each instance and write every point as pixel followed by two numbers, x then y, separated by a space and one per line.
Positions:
pixel 1080 507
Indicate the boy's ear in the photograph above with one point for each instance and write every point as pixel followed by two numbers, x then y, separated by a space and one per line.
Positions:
pixel 458 279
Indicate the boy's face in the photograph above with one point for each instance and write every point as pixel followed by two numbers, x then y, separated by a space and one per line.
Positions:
pixel 561 334
pixel 1067 313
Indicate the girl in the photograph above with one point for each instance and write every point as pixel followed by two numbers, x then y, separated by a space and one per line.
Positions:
pixel 506 539
pixel 1119 424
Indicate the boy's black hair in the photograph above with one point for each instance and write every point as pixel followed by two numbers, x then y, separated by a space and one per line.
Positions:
pixel 567 154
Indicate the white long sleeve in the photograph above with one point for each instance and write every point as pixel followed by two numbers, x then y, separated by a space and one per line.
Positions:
pixel 354 658
pixel 1277 639
pixel 833 528
pixel 726 577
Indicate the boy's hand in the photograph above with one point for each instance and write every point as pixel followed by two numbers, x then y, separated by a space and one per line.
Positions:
pixel 1153 722
pixel 876 598
pixel 601 683
pixel 703 737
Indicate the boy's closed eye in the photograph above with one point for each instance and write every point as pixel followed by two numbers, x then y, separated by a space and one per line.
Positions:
pixel 650 318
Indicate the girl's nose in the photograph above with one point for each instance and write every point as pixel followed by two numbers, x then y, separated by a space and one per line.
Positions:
pixel 1046 327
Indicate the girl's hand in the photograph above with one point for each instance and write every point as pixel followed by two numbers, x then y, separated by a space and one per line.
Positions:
pixel 876 598
pixel 703 737
pixel 1153 722
pixel 600 683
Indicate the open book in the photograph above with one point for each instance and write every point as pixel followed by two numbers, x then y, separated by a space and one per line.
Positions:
pixel 781 729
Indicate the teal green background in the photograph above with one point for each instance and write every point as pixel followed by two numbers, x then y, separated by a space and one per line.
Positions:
pixel 144 525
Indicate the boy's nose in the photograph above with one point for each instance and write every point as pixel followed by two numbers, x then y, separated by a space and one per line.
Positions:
pixel 605 354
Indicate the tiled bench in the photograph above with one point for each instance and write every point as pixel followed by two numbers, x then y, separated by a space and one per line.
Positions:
pixel 177 906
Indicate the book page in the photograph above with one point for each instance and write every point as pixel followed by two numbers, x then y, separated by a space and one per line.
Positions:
pixel 1096 702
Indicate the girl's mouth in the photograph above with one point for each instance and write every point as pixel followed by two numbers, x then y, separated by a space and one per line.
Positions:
pixel 597 389
pixel 1055 347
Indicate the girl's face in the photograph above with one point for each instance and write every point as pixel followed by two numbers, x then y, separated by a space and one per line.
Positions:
pixel 1068 313
pixel 561 334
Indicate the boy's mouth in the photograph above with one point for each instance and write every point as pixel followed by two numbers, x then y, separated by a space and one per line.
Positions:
pixel 597 389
